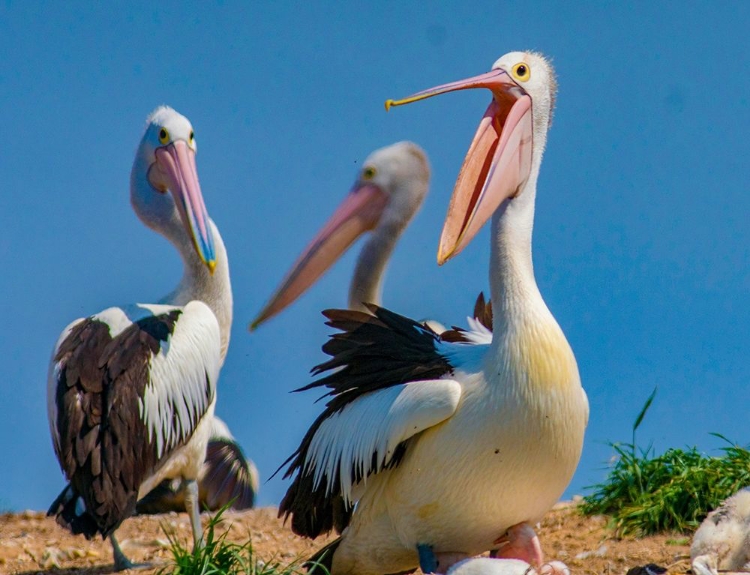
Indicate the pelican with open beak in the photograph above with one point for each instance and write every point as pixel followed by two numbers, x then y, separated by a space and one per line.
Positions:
pixel 427 451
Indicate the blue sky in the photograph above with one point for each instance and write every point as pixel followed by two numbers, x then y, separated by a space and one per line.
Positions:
pixel 641 238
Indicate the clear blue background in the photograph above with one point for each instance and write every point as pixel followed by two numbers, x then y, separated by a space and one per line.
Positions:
pixel 641 238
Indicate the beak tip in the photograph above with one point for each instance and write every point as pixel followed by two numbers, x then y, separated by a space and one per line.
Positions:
pixel 445 254
pixel 388 104
pixel 259 319
pixel 211 266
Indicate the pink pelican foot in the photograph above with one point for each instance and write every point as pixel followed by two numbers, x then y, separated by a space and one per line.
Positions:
pixel 520 542
pixel 554 568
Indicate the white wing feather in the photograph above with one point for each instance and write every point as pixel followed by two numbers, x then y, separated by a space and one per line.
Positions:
pixel 477 333
pixel 377 423
pixel 177 386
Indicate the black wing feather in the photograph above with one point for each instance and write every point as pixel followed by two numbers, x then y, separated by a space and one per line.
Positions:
pixel 482 313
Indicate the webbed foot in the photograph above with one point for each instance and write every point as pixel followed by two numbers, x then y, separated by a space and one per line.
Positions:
pixel 121 561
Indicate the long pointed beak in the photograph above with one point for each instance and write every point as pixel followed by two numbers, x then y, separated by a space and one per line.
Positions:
pixel 497 164
pixel 358 213
pixel 176 165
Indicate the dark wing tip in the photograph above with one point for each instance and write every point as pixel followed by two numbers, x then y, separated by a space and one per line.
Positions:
pixel 321 563
pixel 228 477
pixel 454 335
pixel 313 510
pixel 66 513
pixel 483 311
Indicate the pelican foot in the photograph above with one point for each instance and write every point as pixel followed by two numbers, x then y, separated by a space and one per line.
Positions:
pixel 705 565
pixel 121 561
pixel 554 568
pixel 519 542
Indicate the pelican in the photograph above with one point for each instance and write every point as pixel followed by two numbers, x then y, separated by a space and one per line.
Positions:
pixel 131 390
pixel 390 189
pixel 722 542
pixel 227 479
pixel 429 452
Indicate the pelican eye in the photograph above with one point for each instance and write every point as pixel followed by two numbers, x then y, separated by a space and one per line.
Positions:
pixel 191 138
pixel 522 71
pixel 368 173
pixel 164 136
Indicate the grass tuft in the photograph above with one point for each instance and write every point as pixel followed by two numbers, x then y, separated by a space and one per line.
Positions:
pixel 219 556
pixel 646 494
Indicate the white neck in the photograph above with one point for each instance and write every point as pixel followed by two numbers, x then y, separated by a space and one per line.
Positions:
pixel 367 282
pixel 198 284
pixel 529 353
pixel 513 289
pixel 528 349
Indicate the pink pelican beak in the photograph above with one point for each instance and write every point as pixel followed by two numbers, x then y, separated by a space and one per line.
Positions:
pixel 497 164
pixel 175 170
pixel 357 214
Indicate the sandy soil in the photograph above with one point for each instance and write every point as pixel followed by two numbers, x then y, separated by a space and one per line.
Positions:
pixel 33 543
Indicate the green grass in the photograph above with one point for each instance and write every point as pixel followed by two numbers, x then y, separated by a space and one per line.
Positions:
pixel 647 493
pixel 218 556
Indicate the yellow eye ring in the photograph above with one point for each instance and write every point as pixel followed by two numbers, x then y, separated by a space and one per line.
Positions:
pixel 368 173
pixel 191 138
pixel 522 71
pixel 164 136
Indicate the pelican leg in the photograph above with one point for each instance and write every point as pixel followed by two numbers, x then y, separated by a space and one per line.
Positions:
pixel 192 507
pixel 428 562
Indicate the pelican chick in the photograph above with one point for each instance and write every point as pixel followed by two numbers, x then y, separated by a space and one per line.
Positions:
pixel 722 542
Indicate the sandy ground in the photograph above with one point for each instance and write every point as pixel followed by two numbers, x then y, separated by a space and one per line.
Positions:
pixel 33 543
